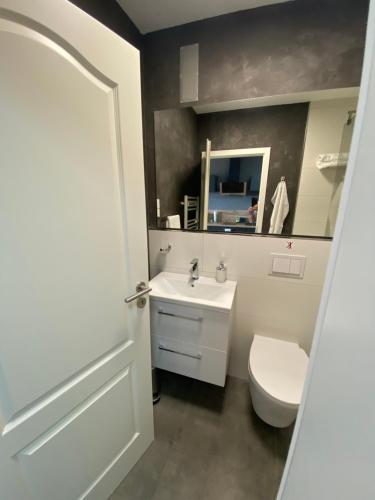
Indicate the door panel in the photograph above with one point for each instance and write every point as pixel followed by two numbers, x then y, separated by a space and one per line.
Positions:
pixel 75 385
pixel 205 191
pixel 84 459
pixel 42 415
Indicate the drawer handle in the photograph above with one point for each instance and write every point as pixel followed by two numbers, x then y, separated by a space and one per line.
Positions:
pixel 194 356
pixel 192 318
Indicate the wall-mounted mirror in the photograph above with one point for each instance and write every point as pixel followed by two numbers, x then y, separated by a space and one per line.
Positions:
pixel 274 169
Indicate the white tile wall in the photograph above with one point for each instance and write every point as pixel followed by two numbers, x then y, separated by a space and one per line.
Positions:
pixel 279 307
pixel 185 246
pixel 309 226
pixel 314 206
pixel 316 182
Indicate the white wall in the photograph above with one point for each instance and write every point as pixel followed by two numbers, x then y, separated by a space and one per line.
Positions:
pixel 284 308
pixel 332 454
pixel 324 131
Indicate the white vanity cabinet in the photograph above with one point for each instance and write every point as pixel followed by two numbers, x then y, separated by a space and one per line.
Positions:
pixel 191 341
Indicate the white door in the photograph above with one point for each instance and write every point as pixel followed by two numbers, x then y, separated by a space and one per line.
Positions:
pixel 75 381
pixel 205 184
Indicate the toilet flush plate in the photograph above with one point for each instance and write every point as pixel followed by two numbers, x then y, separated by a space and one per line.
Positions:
pixel 289 266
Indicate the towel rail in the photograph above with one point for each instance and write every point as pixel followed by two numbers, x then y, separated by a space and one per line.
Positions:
pixel 191 212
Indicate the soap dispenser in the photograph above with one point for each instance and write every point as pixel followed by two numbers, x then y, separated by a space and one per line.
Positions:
pixel 221 273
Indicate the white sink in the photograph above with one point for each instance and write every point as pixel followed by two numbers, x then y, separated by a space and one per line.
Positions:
pixel 206 292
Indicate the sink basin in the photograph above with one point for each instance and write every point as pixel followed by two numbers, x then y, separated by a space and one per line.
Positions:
pixel 206 292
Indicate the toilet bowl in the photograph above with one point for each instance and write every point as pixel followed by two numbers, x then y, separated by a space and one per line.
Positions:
pixel 277 371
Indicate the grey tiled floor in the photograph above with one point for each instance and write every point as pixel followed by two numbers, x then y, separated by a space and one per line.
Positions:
pixel 209 445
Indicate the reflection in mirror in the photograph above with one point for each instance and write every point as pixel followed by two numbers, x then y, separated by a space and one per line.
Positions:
pixel 340 173
pixel 237 181
pixel 274 170
pixel 329 132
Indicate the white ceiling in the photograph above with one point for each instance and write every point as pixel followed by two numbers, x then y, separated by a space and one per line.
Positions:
pixel 152 15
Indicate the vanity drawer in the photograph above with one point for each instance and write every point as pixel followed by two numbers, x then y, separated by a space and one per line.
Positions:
pixel 191 360
pixel 193 325
pixel 175 321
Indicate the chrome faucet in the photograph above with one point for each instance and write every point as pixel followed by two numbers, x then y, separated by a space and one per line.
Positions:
pixel 194 272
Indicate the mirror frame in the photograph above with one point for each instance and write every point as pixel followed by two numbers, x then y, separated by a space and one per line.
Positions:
pixel 264 152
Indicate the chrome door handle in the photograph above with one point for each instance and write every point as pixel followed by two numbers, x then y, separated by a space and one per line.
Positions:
pixel 141 289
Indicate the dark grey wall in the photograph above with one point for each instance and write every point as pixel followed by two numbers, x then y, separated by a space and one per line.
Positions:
pixel 283 48
pixel 280 127
pixel 177 158
pixel 290 47
pixel 295 46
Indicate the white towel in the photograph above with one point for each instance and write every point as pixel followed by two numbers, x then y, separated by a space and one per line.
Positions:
pixel 329 160
pixel 280 208
pixel 173 222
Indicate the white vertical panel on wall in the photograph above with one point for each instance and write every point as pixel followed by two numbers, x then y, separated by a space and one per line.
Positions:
pixel 189 72
pixel 278 307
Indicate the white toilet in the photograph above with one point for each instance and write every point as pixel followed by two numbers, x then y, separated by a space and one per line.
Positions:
pixel 277 371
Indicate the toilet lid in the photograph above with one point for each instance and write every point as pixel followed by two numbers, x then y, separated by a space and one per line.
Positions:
pixel 279 367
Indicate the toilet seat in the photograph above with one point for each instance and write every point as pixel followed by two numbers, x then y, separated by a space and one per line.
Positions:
pixel 279 368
